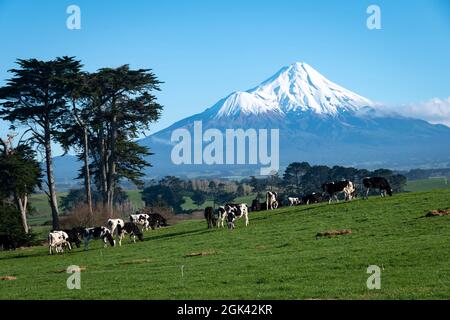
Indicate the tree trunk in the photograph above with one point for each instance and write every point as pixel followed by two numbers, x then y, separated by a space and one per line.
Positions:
pixel 51 182
pixel 22 205
pixel 112 165
pixel 103 158
pixel 87 174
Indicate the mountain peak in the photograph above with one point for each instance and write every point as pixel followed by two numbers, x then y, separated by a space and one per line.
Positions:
pixel 295 88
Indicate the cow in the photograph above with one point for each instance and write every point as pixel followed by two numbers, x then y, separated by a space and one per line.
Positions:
pixel 232 212
pixel 222 214
pixel 155 220
pixel 7 242
pixel 141 219
pixel 75 235
pixel 258 206
pixel 98 233
pixel 271 200
pixel 210 217
pixel 379 183
pixel 129 228
pixel 112 224
pixel 293 201
pixel 312 198
pixel 335 188
pixel 57 241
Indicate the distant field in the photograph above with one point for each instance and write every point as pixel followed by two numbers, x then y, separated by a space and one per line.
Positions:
pixel 276 257
pixel 40 203
pixel 427 185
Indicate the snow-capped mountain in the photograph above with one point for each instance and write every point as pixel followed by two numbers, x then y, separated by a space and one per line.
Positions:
pixel 296 88
pixel 318 121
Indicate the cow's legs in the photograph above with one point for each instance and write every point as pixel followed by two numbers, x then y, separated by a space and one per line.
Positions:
pixel 246 219
pixel 367 193
pixel 86 243
pixel 120 238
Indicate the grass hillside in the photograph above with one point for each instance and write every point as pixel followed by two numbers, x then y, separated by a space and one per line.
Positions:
pixel 427 185
pixel 276 257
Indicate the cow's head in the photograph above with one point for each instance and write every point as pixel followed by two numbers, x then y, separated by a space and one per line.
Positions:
pixel 389 192
pixel 230 220
pixel 110 238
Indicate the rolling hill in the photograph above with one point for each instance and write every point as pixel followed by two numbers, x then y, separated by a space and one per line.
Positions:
pixel 276 257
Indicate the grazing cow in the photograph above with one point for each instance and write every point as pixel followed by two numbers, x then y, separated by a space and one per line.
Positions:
pixel 58 240
pixel 98 233
pixel 141 219
pixel 112 224
pixel 293 201
pixel 75 235
pixel 271 200
pixel 232 212
pixel 7 242
pixel 258 206
pixel 379 183
pixel 335 188
pixel 129 228
pixel 312 198
pixel 210 217
pixel 155 220
pixel 222 214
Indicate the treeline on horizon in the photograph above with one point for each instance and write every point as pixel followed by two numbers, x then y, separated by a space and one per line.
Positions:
pixel 299 178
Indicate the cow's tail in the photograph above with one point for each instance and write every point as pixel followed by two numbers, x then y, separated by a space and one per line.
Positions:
pixel 119 229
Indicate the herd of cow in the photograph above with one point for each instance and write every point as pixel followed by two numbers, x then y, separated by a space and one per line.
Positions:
pixel 58 241
pixel 330 191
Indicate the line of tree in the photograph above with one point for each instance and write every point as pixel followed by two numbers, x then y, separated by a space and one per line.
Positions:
pixel 98 115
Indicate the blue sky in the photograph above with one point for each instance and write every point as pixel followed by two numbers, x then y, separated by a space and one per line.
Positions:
pixel 204 50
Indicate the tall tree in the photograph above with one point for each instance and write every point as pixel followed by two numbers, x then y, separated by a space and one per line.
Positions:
pixel 124 107
pixel 294 173
pixel 36 98
pixel 198 198
pixel 20 174
pixel 75 127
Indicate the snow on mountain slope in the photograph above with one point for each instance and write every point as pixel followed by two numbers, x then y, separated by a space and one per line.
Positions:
pixel 295 88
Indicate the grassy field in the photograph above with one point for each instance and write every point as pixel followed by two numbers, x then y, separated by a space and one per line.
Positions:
pixel 427 185
pixel 276 257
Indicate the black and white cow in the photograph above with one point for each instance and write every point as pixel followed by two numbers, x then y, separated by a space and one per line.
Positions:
pixel 232 212
pixel 141 219
pixel 210 217
pixel 155 220
pixel 379 183
pixel 312 198
pixel 57 241
pixel 112 224
pixel 129 228
pixel 258 206
pixel 335 188
pixel 271 200
pixel 7 242
pixel 293 201
pixel 98 233
pixel 75 235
